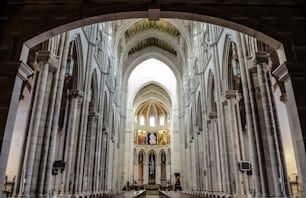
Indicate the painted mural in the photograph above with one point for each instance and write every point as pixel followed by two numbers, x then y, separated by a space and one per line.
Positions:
pixel 160 138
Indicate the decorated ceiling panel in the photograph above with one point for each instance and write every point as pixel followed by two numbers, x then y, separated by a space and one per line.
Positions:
pixel 153 42
pixel 146 24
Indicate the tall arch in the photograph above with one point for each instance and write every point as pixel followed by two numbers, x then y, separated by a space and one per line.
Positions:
pixel 141 158
pixel 152 160
pixel 163 168
pixel 211 95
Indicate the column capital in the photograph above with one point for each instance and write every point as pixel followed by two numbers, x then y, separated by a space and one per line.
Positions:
pixel 228 94
pixel 75 93
pixel 48 57
pixel 258 58
pixel 212 115
pixel 93 115
pixel 262 57
pixel 198 130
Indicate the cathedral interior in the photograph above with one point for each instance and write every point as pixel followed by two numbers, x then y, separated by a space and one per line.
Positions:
pixel 152 98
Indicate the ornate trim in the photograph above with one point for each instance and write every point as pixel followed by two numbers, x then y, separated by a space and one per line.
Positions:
pixel 75 93
pixel 49 58
pixel 24 71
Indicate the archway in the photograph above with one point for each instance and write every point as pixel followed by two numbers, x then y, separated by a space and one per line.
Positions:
pixel 152 168
pixel 141 160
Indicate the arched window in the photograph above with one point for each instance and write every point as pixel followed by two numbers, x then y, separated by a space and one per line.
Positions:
pixel 162 120
pixel 234 81
pixel 152 121
pixel 142 121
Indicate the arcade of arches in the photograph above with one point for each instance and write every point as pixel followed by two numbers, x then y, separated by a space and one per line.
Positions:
pixel 178 104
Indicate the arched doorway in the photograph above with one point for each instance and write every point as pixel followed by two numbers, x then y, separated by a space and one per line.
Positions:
pixel 163 169
pixel 141 161
pixel 152 168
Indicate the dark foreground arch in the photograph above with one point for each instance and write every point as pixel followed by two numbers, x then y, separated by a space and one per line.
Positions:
pixel 24 23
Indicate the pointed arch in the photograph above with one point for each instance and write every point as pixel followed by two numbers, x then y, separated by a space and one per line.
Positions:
pixel 212 107
pixel 94 90
pixel 75 64
pixel 141 159
pixel 225 61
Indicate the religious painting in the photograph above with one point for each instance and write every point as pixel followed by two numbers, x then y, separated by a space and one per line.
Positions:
pixel 142 137
pixel 152 138
pixel 163 137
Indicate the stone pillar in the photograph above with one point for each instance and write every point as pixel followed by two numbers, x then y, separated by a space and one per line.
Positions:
pixel 47 63
pixel 98 153
pixel 219 120
pixel 289 76
pixel 24 72
pixel 268 136
pixel 269 123
pixel 197 160
pixel 46 125
pixel 216 133
pixel 94 116
pixel 109 168
pixel 193 165
pixel 235 153
pixel 146 170
pixel 53 136
pixel 158 170
pixel 104 158
pixel 200 173
pixel 76 102
pixel 256 185
pixel 226 150
pixel 209 159
pixel 168 168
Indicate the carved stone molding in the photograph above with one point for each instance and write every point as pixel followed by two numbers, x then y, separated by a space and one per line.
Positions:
pixel 258 58
pixel 76 93
pixel 262 57
pixel 212 115
pixel 93 115
pixel 24 71
pixel 281 72
pixel 48 57
pixel 228 94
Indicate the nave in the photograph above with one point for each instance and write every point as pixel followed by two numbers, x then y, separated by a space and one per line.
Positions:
pixel 141 104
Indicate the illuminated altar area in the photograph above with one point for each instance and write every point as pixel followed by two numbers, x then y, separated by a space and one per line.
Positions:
pixel 152 138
